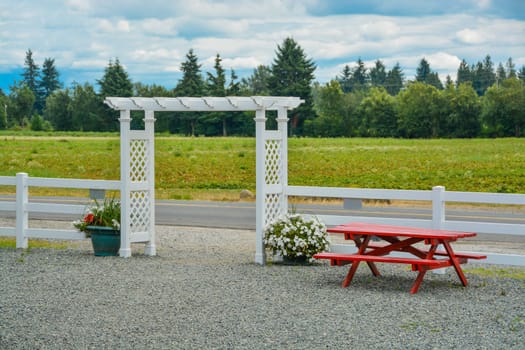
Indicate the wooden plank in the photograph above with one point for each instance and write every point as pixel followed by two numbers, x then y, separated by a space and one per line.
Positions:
pixel 384 259
pixel 464 255
pixel 391 230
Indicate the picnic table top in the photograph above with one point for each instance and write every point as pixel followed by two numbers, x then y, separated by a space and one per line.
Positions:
pixel 362 228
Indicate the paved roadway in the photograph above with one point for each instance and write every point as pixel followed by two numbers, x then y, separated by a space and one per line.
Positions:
pixel 241 215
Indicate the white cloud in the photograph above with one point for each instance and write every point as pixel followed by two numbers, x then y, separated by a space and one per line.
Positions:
pixel 89 63
pixel 107 25
pixel 153 37
pixel 470 36
pixel 443 61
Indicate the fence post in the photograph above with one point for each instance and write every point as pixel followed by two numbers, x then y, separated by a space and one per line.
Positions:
pixel 438 216
pixel 22 196
pixel 438 207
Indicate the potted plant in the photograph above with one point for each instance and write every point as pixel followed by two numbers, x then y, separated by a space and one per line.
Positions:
pixel 101 222
pixel 296 238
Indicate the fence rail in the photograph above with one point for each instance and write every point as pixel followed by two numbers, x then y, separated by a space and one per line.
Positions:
pixel 438 198
pixel 22 206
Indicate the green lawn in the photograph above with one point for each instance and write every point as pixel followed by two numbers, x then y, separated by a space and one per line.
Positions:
pixel 218 168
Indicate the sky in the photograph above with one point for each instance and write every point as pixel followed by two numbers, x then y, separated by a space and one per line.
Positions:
pixel 151 38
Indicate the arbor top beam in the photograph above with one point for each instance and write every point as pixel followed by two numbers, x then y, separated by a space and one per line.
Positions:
pixel 203 104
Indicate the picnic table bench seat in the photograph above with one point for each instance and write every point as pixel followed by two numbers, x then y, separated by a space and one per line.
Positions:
pixel 461 255
pixel 339 259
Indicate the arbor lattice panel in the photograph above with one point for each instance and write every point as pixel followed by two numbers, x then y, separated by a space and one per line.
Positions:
pixel 140 211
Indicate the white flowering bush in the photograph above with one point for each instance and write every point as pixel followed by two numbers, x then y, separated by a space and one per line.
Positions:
pixel 294 236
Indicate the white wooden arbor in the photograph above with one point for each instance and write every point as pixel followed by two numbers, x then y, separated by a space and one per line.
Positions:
pixel 137 174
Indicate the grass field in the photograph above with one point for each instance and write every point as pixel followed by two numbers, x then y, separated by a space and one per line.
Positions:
pixel 219 168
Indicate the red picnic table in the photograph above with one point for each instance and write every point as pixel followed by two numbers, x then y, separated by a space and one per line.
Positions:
pixel 400 239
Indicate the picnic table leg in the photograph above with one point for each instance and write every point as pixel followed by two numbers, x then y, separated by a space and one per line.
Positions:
pixel 418 281
pixel 362 245
pixel 455 262
pixel 350 275
pixel 423 270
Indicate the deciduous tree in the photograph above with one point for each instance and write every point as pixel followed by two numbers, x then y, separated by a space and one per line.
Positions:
pixel 379 118
pixel 58 110
pixel 420 109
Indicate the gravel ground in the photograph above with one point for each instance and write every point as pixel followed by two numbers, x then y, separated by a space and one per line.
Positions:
pixel 203 291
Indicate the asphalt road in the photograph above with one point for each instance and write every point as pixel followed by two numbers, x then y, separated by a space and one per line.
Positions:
pixel 241 215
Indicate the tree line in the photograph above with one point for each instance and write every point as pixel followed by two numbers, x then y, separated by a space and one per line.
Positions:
pixel 484 101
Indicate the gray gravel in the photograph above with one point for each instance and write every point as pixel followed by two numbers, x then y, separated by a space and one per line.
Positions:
pixel 203 291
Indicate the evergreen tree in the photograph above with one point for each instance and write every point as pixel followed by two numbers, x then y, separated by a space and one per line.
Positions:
pixel 378 74
pixel 50 81
pixel 31 73
pixel 477 82
pixel 192 85
pixel 394 80
pixel 448 82
pixel 423 71
pixel 31 76
pixel 258 83
pixel 484 76
pixel 234 87
pixel 216 86
pixel 359 76
pixel 501 74
pixel 464 73
pixel 292 75
pixel 511 68
pixel 239 123
pixel 433 79
pixel 345 80
pixel 425 75
pixel 115 81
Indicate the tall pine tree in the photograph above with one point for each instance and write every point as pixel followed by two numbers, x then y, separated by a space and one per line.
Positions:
pixel 345 80
pixel 378 74
pixel 216 86
pixel 292 75
pixel 394 80
pixel 464 73
pixel 50 78
pixel 117 83
pixel 31 78
pixel 191 84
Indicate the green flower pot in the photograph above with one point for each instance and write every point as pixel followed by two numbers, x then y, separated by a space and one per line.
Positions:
pixel 105 240
pixel 295 260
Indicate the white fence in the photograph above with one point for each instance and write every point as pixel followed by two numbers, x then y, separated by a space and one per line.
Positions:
pixel 22 207
pixel 438 197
